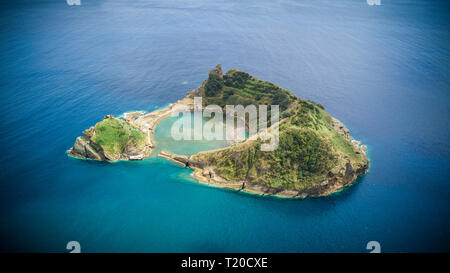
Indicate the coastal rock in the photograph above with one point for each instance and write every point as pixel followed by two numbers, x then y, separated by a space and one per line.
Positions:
pixel 340 128
pixel 110 140
pixel 349 169
pixel 84 148
pixel 217 70
pixel 132 148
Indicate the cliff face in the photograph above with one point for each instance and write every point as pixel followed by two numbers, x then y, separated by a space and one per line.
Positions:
pixel 85 148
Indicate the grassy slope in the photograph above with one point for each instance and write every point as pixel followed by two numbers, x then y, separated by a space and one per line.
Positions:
pixel 309 147
pixel 113 135
pixel 241 88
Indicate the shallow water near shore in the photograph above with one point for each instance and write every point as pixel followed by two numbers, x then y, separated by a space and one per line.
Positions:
pixel 382 71
pixel 165 141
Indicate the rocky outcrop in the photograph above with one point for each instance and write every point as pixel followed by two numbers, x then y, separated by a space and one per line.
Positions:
pixel 217 70
pixel 88 149
pixel 336 181
pixel 340 128
pixel 85 148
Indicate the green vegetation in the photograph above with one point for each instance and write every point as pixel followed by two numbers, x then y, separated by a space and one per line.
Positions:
pixel 282 100
pixel 304 152
pixel 301 158
pixel 113 135
pixel 238 87
pixel 309 147
pixel 236 79
pixel 213 85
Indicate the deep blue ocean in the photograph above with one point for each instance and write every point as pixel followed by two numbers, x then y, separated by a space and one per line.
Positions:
pixel 382 70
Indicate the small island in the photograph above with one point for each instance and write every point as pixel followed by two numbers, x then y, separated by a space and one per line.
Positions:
pixel 316 155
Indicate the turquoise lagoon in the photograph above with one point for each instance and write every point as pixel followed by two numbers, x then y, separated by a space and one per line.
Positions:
pixel 162 136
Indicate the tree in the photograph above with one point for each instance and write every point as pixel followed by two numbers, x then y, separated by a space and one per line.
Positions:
pixel 214 85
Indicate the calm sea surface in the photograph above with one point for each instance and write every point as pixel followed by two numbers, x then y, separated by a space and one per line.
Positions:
pixel 382 70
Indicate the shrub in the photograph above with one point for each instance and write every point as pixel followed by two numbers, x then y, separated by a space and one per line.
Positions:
pixel 227 93
pixel 282 100
pixel 237 79
pixel 306 150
